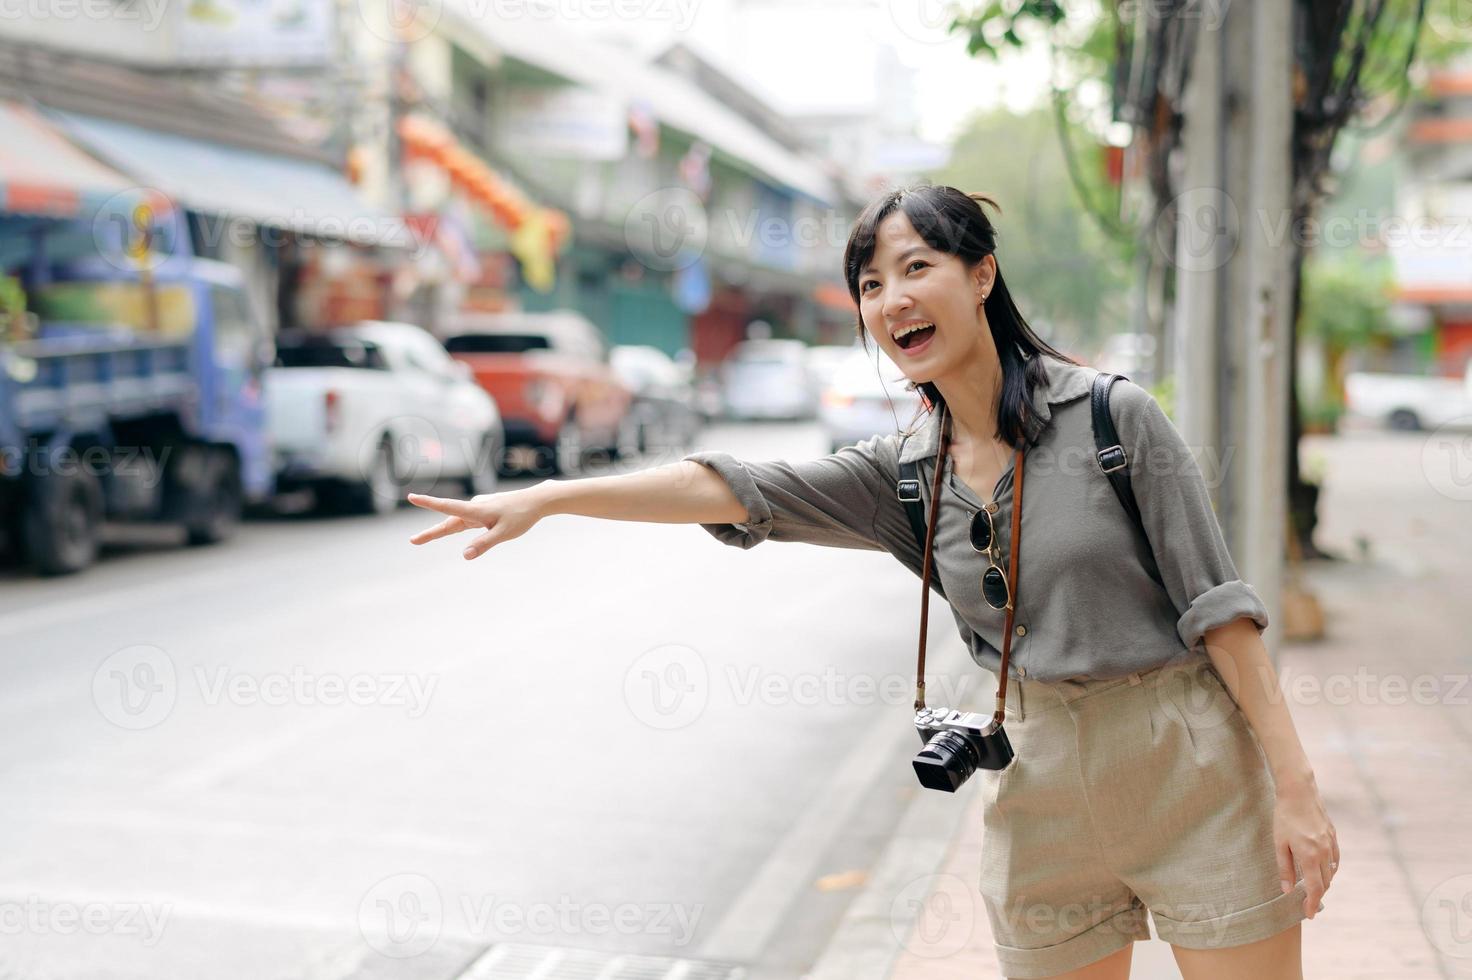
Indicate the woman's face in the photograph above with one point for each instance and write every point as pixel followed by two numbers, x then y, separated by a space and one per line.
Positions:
pixel 907 283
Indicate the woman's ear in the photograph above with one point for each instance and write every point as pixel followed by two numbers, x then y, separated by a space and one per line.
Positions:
pixel 984 276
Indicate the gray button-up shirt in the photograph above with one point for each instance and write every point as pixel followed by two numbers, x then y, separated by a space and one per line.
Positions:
pixel 1095 598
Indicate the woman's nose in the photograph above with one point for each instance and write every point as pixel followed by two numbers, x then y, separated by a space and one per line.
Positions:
pixel 896 302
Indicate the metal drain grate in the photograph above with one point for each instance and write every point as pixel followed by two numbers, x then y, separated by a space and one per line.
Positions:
pixel 517 961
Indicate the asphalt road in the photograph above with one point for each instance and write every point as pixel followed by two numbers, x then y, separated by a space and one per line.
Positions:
pixel 317 751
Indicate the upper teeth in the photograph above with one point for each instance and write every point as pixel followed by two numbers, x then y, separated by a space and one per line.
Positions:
pixel 906 331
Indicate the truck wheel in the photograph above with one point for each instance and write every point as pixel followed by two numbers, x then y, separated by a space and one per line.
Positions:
pixel 568 451
pixel 215 513
pixel 484 467
pixel 1405 420
pixel 381 491
pixel 62 522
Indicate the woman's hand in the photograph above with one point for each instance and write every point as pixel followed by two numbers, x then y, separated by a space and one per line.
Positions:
pixel 1303 833
pixel 504 515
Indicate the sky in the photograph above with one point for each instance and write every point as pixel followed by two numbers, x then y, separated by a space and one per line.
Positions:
pixel 820 54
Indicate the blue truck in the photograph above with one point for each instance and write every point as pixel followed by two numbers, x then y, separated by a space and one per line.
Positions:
pixel 132 393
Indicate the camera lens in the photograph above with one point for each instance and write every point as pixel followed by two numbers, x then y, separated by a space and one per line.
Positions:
pixel 947 761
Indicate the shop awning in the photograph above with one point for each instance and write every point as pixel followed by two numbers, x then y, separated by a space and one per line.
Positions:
pixel 43 173
pixel 277 191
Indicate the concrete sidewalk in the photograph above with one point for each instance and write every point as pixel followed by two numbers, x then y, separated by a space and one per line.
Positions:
pixel 1384 708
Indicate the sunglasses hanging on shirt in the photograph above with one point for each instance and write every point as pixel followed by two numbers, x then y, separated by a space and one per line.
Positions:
pixel 984 540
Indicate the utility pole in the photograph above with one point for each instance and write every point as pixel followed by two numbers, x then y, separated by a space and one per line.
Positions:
pixel 1264 475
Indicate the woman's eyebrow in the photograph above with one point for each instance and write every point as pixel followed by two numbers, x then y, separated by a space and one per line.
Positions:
pixel 902 256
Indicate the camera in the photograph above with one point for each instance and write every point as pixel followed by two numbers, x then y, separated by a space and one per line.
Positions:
pixel 957 743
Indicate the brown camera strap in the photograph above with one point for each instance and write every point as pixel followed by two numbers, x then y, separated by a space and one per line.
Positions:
pixel 1014 544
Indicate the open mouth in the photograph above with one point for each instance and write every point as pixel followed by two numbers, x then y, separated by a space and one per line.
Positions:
pixel 915 337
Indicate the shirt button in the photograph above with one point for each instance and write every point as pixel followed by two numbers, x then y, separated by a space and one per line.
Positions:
pixel 1021 630
pixel 1021 671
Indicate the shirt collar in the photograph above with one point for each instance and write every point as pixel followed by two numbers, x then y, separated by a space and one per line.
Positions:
pixel 1065 383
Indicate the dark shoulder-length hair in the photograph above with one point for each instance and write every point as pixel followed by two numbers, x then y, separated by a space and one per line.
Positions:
pixel 952 221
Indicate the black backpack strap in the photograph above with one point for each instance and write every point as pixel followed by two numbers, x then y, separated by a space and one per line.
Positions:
pixel 908 490
pixel 1113 459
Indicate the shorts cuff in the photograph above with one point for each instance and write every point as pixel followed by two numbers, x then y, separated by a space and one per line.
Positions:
pixel 1094 943
pixel 1236 928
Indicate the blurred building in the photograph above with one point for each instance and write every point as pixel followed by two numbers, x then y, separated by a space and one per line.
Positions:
pixel 414 160
pixel 1431 244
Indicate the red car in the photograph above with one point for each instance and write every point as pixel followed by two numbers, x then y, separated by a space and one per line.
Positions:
pixel 560 400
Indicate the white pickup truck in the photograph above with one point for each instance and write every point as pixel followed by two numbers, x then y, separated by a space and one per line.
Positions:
pixel 364 413
pixel 1410 401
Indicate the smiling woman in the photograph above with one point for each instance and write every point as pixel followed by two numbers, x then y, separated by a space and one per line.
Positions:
pixel 1119 806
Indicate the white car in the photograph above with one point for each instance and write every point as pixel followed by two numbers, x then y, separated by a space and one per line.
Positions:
pixel 866 397
pixel 362 414
pixel 768 379
pixel 1410 401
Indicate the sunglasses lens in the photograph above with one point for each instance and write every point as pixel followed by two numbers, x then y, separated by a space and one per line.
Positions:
pixel 994 588
pixel 981 531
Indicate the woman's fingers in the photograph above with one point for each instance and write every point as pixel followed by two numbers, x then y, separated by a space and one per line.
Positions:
pixel 445 505
pixel 481 544
pixel 450 525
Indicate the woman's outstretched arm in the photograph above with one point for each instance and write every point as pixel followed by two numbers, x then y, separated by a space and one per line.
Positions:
pixel 677 493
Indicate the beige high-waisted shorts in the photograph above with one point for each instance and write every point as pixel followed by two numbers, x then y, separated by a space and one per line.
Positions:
pixel 1142 792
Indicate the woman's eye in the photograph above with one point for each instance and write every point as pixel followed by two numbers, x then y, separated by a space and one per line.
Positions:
pixel 916 262
pixel 865 286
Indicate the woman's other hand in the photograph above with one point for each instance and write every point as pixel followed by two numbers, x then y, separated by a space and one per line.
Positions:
pixel 504 516
pixel 1305 835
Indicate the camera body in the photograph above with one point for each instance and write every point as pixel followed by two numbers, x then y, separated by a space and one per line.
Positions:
pixel 957 743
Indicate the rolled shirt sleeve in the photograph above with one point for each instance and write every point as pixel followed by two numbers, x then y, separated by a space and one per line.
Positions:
pixel 1196 569
pixel 843 500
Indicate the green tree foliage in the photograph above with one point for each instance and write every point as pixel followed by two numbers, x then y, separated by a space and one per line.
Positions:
pixel 1069 278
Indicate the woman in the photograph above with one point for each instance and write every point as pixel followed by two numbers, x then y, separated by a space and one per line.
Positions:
pixel 1156 765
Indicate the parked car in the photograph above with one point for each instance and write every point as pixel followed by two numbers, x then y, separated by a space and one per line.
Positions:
pixel 1410 401
pixel 551 376
pixel 866 396
pixel 768 379
pixel 664 410
pixel 362 414
pixel 825 359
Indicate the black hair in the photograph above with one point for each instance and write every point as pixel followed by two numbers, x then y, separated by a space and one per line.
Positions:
pixel 952 221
